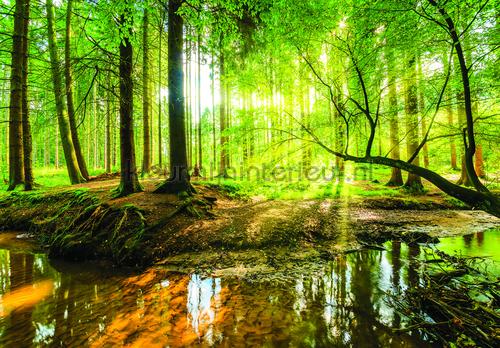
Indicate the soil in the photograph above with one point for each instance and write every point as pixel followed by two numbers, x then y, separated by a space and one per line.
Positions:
pixel 230 231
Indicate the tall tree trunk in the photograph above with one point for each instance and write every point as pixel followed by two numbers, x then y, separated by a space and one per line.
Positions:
pixel 479 162
pixel 411 109
pixel 129 181
pixel 212 90
pixel 200 154
pixel 69 94
pixel 464 177
pixel 179 176
pixel 107 152
pixel 451 126
pixel 304 117
pixel 478 156
pixel 396 176
pixel 27 145
pixel 114 120
pixel 16 160
pixel 222 119
pixel 187 105
pixel 56 150
pixel 453 147
pixel 421 107
pixel 146 152
pixel 160 34
pixel 95 126
pixel 74 173
pixel 468 136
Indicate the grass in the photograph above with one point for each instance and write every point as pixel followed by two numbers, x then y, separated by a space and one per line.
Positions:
pixel 359 181
pixel 49 177
pixel 303 189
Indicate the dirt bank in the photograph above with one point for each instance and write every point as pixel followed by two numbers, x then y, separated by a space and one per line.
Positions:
pixel 84 222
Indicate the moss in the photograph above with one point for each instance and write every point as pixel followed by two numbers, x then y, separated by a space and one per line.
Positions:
pixel 75 224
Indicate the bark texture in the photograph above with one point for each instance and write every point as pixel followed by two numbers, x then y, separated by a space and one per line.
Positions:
pixel 146 97
pixel 179 180
pixel 129 181
pixel 16 156
pixel 69 94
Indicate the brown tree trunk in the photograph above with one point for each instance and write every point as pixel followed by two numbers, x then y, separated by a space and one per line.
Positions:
pixel 200 154
pixel 478 156
pixel 396 176
pixel 27 145
pixel 453 147
pixel 146 149
pixel 421 102
pixel 179 180
pixel 107 152
pixel 468 134
pixel 69 94
pixel 222 119
pixel 129 181
pixel 464 177
pixel 479 162
pixel 74 173
pixel 411 109
pixel 95 127
pixel 187 105
pixel 451 126
pixel 16 156
pixel 160 34
pixel 214 138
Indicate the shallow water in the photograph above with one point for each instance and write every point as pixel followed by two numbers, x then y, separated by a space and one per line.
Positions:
pixel 45 303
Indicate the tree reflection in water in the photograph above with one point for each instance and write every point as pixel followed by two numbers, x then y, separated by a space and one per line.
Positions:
pixel 344 304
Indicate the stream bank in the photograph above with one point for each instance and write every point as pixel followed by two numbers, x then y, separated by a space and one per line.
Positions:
pixel 85 223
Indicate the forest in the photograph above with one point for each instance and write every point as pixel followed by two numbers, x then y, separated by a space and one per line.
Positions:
pixel 201 147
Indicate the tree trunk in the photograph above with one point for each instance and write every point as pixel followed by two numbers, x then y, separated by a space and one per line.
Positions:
pixel 160 34
pixel 479 162
pixel 222 120
pixel 421 107
pixel 464 177
pixel 187 105
pixel 179 176
pixel 27 145
pixel 146 152
pixel 94 126
pixel 468 135
pixel 212 89
pixel 451 126
pixel 200 154
pixel 396 176
pixel 56 150
pixel 129 182
pixel 107 153
pixel 69 94
pixel 74 173
pixel 16 160
pixel 411 109
pixel 476 199
pixel 478 157
pixel 453 147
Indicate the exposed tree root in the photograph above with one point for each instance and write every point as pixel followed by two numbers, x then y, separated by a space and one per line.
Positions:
pixel 76 225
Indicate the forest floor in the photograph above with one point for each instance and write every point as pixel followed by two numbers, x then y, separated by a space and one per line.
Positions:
pixel 222 228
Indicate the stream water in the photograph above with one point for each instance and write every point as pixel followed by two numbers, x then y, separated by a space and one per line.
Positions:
pixel 57 304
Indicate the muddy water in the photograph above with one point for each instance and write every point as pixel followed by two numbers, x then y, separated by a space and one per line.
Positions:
pixel 344 303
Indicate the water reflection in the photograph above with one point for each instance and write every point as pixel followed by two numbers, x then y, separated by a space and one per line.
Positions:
pixel 343 305
pixel 476 244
